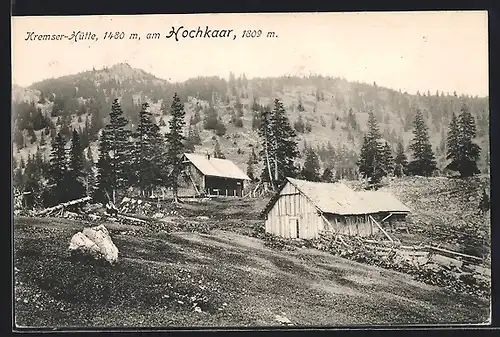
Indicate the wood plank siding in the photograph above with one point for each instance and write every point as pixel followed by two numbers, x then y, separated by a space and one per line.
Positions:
pixel 293 210
pixel 294 215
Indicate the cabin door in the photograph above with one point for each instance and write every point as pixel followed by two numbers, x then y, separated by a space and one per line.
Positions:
pixel 294 228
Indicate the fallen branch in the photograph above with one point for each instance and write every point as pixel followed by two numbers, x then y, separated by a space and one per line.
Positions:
pixel 63 205
pixel 342 240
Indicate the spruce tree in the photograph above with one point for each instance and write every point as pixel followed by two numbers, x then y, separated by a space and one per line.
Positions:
pixel 327 175
pixel 147 152
pixel 388 160
pixel 300 107
pixel 65 130
pixel 462 151
pixel 401 161
pixel 266 134
pixel 351 120
pixel 58 170
pixel 423 162
pixel 311 168
pixel 452 141
pixel 371 159
pixel 105 174
pixel 120 149
pixel 76 168
pixel 175 143
pixel 283 144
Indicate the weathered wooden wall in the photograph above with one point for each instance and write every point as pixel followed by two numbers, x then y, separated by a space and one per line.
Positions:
pixel 186 187
pixel 291 207
pixel 352 225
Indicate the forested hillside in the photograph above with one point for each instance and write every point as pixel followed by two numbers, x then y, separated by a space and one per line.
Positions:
pixel 329 114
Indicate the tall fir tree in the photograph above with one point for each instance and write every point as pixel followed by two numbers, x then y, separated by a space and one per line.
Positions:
pixel 58 170
pixel 147 152
pixel 311 169
pixel 76 174
pixel 388 159
pixel 452 140
pixel 266 134
pixel 283 144
pixel 119 149
pixel 351 120
pixel 327 176
pixel 423 162
pixel 371 159
pixel 105 174
pixel 462 151
pixel 175 144
pixel 401 161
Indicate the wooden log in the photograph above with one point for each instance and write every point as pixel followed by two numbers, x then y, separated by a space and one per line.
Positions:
pixel 61 206
pixel 453 253
pixel 131 218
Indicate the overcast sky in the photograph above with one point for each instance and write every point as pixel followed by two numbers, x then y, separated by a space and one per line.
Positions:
pixel 413 51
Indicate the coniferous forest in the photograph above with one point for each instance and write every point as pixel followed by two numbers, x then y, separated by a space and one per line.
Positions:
pixel 103 131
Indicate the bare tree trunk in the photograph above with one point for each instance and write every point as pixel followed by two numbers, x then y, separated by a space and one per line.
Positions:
pixel 268 164
pixel 275 161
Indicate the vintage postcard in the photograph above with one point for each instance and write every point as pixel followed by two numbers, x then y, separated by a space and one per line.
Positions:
pixel 251 170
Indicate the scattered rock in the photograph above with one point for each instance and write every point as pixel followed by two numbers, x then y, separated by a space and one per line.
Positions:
pixel 158 215
pixel 283 320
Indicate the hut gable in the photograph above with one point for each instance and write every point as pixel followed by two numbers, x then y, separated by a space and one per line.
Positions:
pixel 304 208
pixel 216 167
pixel 205 175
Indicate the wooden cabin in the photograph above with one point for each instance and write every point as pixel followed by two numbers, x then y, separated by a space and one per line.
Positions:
pixel 205 175
pixel 303 209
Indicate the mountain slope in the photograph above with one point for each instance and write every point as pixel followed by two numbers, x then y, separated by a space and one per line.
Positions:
pixel 321 102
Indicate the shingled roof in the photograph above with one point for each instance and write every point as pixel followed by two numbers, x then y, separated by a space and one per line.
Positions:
pixel 337 198
pixel 216 167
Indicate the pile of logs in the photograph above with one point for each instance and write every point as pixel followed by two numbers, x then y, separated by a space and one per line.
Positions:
pixel 58 210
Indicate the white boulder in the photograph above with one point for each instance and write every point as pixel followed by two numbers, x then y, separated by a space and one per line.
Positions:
pixel 95 241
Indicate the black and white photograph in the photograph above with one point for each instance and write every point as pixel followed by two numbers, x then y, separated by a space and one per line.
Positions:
pixel 264 170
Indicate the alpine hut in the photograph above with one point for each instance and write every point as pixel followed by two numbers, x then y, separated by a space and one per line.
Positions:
pixel 205 175
pixel 303 209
